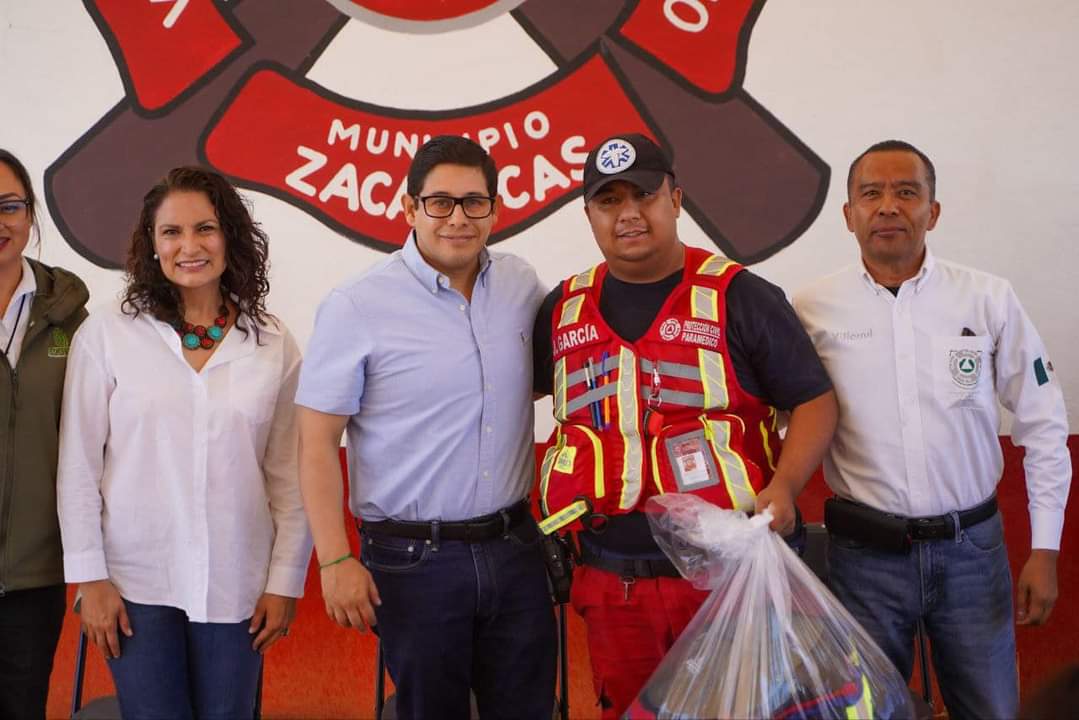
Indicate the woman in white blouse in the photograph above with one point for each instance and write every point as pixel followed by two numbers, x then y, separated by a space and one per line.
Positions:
pixel 179 500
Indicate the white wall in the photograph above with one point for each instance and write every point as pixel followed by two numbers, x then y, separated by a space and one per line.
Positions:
pixel 986 87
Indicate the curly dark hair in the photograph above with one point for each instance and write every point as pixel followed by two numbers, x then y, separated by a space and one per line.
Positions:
pixel 246 252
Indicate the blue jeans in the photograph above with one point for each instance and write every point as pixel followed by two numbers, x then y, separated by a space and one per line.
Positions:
pixel 172 668
pixel 461 616
pixel 962 589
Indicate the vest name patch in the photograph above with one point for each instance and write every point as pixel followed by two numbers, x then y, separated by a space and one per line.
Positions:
pixel 575 337
pixel 693 332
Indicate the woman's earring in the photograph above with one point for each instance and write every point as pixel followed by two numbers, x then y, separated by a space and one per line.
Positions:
pixel 156 257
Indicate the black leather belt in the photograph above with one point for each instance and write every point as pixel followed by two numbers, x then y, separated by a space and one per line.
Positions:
pixel 626 565
pixel 477 529
pixel 942 527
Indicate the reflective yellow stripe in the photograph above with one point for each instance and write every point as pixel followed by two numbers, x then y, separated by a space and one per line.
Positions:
pixel 767 446
pixel 633 451
pixel 583 280
pixel 731 466
pixel 713 379
pixel 571 311
pixel 704 303
pixel 863 709
pixel 563 517
pixel 715 265
pixel 545 470
pixel 558 393
pixel 655 467
pixel 597 450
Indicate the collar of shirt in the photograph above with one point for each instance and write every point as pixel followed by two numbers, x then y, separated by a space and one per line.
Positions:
pixel 919 280
pixel 28 284
pixel 430 278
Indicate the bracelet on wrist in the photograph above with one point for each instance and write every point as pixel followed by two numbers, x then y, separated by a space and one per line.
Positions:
pixel 331 563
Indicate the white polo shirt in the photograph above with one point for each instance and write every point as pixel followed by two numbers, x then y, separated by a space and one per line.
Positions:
pixel 918 375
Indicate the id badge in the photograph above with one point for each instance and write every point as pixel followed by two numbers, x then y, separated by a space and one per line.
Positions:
pixel 691 461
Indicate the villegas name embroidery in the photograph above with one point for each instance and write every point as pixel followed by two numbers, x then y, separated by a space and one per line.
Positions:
pixel 852 335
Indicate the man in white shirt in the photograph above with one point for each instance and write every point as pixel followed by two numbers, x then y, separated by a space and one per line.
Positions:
pixel 920 350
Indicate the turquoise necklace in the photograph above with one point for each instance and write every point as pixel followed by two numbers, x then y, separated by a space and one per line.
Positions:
pixel 194 337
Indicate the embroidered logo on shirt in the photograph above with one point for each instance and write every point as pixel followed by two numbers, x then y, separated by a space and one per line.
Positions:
pixel 61 343
pixel 852 335
pixel 966 367
pixel 670 328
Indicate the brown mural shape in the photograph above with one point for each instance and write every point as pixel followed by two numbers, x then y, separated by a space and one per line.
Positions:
pixel 94 190
pixel 733 158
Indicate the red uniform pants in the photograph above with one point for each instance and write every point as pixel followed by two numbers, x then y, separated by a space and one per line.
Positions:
pixel 629 631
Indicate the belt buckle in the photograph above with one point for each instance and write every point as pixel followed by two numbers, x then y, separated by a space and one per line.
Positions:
pixel 933 528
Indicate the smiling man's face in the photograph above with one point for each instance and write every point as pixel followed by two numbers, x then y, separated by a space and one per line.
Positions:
pixel 637 230
pixel 451 245
pixel 890 210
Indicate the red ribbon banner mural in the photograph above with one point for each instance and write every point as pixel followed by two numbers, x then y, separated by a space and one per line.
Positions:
pixel 224 84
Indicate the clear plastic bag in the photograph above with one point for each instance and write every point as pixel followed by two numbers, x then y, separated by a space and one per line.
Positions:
pixel 770 641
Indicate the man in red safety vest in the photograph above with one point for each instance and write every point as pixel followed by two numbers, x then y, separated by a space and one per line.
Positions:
pixel 670 368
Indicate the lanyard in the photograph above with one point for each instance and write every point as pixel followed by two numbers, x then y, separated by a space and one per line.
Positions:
pixel 18 316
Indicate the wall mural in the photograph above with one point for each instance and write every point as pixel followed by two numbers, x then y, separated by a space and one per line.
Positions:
pixel 223 84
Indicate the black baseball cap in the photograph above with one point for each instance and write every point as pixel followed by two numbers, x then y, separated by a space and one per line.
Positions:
pixel 631 157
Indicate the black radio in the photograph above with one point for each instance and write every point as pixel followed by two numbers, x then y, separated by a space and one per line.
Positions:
pixel 558 555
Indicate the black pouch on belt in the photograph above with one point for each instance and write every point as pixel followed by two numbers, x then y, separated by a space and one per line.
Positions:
pixel 558 556
pixel 868 526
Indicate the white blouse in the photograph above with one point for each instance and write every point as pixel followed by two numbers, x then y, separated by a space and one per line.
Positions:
pixel 181 487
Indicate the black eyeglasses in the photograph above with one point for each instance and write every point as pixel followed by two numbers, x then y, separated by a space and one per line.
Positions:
pixel 13 207
pixel 476 207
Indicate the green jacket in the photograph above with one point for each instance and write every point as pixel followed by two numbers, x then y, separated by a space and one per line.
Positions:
pixel 30 553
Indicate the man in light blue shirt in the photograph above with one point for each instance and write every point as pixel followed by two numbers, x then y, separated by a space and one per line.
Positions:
pixel 425 361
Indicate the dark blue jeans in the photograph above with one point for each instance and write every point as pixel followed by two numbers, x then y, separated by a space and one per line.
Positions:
pixel 30 622
pixel 460 616
pixel 962 588
pixel 174 669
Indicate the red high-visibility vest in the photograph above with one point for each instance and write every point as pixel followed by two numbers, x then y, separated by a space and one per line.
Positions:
pixel 663 414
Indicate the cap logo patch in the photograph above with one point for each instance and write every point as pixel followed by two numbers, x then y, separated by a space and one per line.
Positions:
pixel 615 156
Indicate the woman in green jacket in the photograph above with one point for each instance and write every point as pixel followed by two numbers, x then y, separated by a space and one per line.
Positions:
pixel 40 308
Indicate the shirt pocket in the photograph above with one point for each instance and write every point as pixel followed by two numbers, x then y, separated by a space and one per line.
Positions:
pixel 962 370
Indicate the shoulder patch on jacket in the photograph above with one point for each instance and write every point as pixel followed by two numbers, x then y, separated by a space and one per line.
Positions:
pixel 60 343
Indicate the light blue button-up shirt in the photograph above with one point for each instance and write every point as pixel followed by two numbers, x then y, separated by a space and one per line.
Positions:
pixel 438 389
